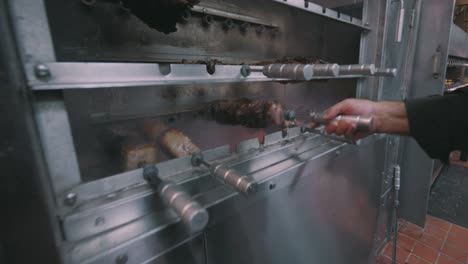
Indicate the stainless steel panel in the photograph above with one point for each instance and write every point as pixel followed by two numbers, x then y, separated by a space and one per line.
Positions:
pixel 435 19
pixel 32 32
pixel 106 212
pixel 221 203
pixel 458 42
pixel 53 125
pixel 327 215
pixel 371 46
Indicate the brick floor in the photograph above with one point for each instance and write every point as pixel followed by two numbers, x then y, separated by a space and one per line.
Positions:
pixel 439 242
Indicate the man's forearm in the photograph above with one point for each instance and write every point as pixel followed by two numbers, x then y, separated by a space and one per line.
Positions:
pixel 391 118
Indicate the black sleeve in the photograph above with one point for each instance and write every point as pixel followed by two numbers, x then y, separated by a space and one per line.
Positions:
pixel 440 123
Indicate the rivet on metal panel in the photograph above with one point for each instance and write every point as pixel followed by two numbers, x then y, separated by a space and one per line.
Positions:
pixel 260 29
pixel 245 70
pixel 228 24
pixel 42 71
pixel 337 153
pixel 100 221
pixel 244 26
pixel 165 68
pixel 211 66
pixel 272 185
pixel 208 20
pixel 186 16
pixel 121 259
pixel 71 199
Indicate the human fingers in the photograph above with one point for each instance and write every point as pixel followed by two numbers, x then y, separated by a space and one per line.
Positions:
pixel 342 127
pixel 336 110
pixel 330 128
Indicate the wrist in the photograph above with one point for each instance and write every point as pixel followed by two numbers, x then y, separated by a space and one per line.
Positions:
pixel 390 117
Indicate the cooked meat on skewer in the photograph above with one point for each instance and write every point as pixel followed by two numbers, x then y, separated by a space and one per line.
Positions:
pixel 177 143
pixel 153 129
pixel 172 140
pixel 135 154
pixel 127 147
pixel 247 112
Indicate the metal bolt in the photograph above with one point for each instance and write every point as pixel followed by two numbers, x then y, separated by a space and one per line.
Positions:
pixel 244 26
pixel 338 153
pixel 100 221
pixel 70 199
pixel 260 29
pixel 186 16
pixel 42 71
pixel 228 24
pixel 211 66
pixel 208 20
pixel 272 185
pixel 245 70
pixel 121 259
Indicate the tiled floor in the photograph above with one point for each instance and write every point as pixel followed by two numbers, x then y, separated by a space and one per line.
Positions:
pixel 440 242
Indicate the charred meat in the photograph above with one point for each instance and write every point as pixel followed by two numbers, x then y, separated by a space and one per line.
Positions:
pixel 248 113
pixel 161 15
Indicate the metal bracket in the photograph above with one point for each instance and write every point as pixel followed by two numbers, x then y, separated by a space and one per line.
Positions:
pixel 436 61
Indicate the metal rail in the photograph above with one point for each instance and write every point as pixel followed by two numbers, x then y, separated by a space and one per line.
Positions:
pixel 325 12
pixel 65 75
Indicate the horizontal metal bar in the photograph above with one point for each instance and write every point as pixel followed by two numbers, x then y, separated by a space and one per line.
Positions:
pixel 65 75
pixel 107 212
pixel 325 12
pixel 99 188
pixel 221 13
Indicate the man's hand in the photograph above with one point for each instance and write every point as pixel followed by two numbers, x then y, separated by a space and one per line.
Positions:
pixel 389 117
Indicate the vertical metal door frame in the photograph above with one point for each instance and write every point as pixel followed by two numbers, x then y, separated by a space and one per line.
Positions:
pixel 433 40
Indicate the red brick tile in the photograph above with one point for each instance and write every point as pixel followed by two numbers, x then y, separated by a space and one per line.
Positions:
pixel 431 241
pixel 458 239
pixel 436 232
pixel 459 230
pixel 413 259
pixel 411 230
pixel 405 242
pixel 437 222
pixel 402 254
pixel 455 252
pixel 383 260
pixel 444 259
pixel 427 253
